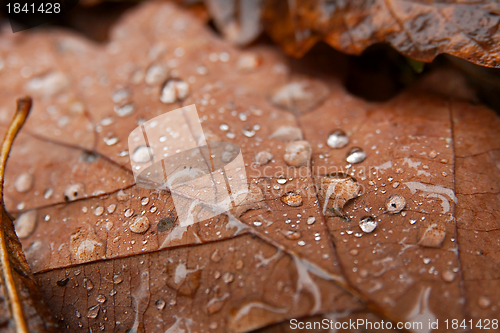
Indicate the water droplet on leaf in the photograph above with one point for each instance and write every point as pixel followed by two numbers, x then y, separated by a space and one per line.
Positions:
pixel 139 224
pixel 337 139
pixel 367 224
pixel 298 153
pixel 355 155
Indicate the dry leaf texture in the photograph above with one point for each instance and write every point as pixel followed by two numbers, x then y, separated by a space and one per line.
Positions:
pixel 277 257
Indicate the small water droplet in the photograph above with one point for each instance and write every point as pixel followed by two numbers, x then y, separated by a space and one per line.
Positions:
pixel 337 139
pixel 263 157
pixel 224 127
pixel 126 110
pixel 367 224
pixel 101 298
pixel 62 282
pixel 395 184
pixel 111 208
pixel 355 155
pixel 215 257
pixel 139 224
pixel 87 283
pixel 301 243
pixel 257 223
pixel 121 95
pixel 433 154
pixel 248 131
pixel 239 264
pixel 129 212
pixel 298 153
pixel 93 311
pixel 174 90
pixel 24 183
pixel 293 235
pixel 281 180
pixel 144 201
pixel 48 193
pixel 152 209
pixel 113 292
pixel 395 203
pixel 311 220
pixel 160 304
pixel 228 277
pixel 117 279
pixel 110 141
pixel 484 302
pixel 448 276
pixel 292 199
pixel 98 211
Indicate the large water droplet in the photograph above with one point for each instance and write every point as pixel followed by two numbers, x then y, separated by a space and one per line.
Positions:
pixel 156 74
pixel 142 154
pixel 26 223
pixel 367 224
pixel 337 139
pixel 73 192
pixel 292 199
pixel 174 90
pixel 298 153
pixel 263 157
pixel 93 311
pixel 24 183
pixel 395 203
pixel 355 155
pixel 139 224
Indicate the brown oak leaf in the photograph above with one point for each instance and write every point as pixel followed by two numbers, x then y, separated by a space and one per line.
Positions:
pixel 423 181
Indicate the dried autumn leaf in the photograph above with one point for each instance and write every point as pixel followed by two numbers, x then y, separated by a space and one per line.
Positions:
pixel 23 309
pixel 418 29
pixel 271 259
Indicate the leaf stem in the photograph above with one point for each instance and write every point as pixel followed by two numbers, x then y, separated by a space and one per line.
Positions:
pixel 16 307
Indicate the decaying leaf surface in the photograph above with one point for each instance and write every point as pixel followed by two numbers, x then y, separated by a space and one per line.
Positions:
pixel 23 308
pixel 418 29
pixel 271 259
